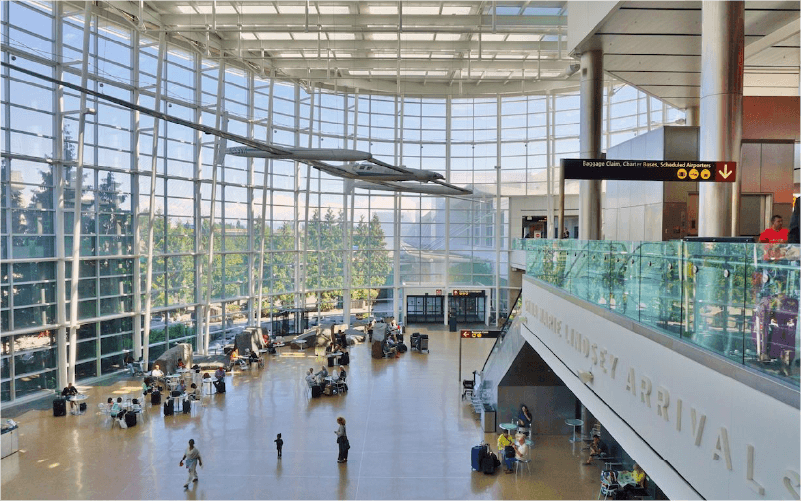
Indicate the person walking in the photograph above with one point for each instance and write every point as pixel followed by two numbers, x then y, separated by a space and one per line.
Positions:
pixel 192 457
pixel 279 444
pixel 342 440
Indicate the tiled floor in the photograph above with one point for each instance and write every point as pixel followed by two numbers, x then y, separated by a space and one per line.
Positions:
pixel 410 436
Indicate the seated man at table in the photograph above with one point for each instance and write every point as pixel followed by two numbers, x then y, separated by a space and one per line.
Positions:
pixel 181 386
pixel 597 448
pixel 194 392
pixel 156 372
pixel 322 374
pixel 69 391
pixel 521 452
pixel 310 377
pixel 180 364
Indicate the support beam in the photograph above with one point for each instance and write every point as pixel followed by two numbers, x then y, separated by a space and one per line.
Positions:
pixel 721 112
pixel 152 205
pixel 78 185
pixel 591 112
pixel 221 121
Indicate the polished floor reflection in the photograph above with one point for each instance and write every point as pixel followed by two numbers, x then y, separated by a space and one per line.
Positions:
pixel 410 436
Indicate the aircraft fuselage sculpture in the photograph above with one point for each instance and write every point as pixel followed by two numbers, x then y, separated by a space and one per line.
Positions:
pixel 377 174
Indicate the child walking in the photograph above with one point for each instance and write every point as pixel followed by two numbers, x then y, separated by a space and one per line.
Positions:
pixel 278 444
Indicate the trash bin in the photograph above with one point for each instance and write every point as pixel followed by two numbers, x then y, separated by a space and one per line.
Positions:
pixel 452 324
pixel 488 423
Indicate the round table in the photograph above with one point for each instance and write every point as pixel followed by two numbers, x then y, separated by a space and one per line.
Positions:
pixel 77 398
pixel 574 423
pixel 300 343
pixel 508 426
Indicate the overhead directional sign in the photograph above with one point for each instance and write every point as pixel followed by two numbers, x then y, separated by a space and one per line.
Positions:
pixel 468 334
pixel 650 170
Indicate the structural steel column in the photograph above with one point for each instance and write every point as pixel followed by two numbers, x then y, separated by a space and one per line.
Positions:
pixel 136 132
pixel 59 181
pixel 721 111
pixel 220 122
pixel 78 199
pixel 448 115
pixel 591 111
pixel 152 206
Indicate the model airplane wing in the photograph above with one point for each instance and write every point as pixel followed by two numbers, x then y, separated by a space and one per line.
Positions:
pixel 444 189
pixel 156 114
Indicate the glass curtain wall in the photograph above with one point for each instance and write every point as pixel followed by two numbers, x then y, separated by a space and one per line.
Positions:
pixel 333 251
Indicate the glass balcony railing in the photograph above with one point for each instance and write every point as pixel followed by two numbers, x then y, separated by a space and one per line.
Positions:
pixel 740 300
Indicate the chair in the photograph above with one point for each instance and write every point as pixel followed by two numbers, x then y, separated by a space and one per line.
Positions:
pixel 340 384
pixel 467 385
pixel 139 410
pixel 103 412
pixel 525 461
pixel 609 485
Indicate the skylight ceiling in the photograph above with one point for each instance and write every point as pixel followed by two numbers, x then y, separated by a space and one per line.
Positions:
pixel 409 47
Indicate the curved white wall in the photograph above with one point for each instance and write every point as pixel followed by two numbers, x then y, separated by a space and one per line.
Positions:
pixel 697 432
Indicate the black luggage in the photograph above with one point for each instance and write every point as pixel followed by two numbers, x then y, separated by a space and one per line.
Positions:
pixel 187 406
pixel 317 390
pixel 488 464
pixel 155 398
pixel 476 455
pixel 60 407
pixel 82 407
pixel 220 386
pixel 331 360
pixel 130 419
pixel 344 359
pixel 169 408
pixel 403 348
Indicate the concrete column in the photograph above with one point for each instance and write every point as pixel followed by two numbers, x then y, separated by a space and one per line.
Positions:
pixel 721 111
pixel 591 111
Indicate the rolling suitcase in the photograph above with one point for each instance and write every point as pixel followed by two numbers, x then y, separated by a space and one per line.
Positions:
pixel 403 348
pixel 82 407
pixel 331 360
pixel 220 386
pixel 169 408
pixel 317 390
pixel 130 419
pixel 187 408
pixel 344 359
pixel 476 455
pixel 59 407
pixel 155 398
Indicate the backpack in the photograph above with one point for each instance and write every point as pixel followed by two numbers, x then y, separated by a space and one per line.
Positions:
pixel 488 464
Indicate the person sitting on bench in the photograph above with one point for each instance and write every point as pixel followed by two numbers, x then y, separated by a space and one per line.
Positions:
pixel 597 449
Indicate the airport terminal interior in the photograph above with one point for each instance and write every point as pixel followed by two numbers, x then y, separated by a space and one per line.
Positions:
pixel 563 220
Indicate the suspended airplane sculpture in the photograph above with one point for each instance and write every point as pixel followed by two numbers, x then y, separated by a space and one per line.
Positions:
pixel 375 174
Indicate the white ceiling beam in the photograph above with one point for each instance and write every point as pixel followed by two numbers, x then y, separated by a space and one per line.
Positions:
pixel 369 63
pixel 409 21
pixel 772 38
pixel 392 45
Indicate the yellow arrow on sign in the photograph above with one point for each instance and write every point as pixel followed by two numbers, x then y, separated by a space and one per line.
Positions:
pixel 725 172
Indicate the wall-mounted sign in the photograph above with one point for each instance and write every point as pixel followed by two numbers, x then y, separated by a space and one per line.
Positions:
pixel 468 334
pixel 467 293
pixel 439 292
pixel 650 170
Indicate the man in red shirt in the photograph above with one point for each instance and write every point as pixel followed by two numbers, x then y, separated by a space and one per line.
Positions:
pixel 775 234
